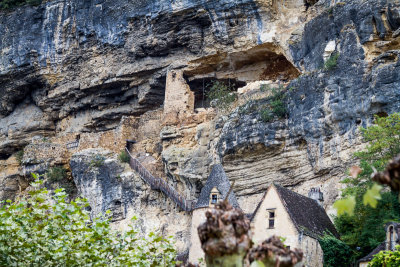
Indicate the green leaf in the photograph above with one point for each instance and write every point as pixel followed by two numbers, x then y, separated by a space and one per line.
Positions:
pixel 372 195
pixel 345 205
pixel 257 264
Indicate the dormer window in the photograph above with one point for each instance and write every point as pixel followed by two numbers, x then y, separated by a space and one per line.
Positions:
pixel 214 198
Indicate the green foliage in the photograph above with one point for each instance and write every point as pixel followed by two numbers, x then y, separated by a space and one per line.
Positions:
pixel 363 209
pixel 331 62
pixel 124 156
pixel 97 161
pixel 56 174
pixel 383 141
pixel 386 258
pixel 19 156
pixel 6 4
pixel 365 229
pixel 345 205
pixel 223 95
pixel 45 230
pixel 336 252
pixel 277 105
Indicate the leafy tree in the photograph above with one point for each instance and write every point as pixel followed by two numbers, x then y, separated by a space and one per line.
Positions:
pixel 336 252
pixel 364 230
pixel 45 230
pixel 361 216
pixel 386 258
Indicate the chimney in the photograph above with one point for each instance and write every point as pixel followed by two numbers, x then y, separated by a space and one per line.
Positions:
pixel 316 194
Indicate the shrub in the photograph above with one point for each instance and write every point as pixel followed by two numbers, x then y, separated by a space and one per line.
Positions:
pixel 6 4
pixel 124 156
pixel 331 62
pixel 223 95
pixel 386 258
pixel 276 106
pixel 97 161
pixel 336 252
pixel 56 174
pixel 45 230
pixel 19 156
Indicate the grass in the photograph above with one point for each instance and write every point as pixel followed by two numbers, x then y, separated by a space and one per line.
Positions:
pixel 97 161
pixel 123 156
pixel 331 62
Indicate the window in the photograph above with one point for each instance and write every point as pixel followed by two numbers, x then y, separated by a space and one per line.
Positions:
pixel 271 219
pixel 214 199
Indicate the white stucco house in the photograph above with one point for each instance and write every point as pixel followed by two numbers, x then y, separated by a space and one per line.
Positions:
pixel 300 220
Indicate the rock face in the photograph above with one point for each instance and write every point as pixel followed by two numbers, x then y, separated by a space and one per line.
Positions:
pixel 95 73
pixel 111 185
pixel 94 62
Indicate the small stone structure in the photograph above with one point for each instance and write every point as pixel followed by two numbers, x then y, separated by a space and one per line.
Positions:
pixel 179 99
pixel 392 230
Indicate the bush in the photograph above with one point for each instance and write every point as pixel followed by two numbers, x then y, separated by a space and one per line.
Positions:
pixel 276 107
pixel 19 156
pixel 336 252
pixel 124 156
pixel 386 258
pixel 45 230
pixel 97 161
pixel 56 174
pixel 6 4
pixel 331 62
pixel 223 95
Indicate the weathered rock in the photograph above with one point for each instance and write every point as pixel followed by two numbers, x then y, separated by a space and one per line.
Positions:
pixel 111 185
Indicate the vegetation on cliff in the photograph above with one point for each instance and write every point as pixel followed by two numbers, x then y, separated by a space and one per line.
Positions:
pixel 362 228
pixel 6 4
pixel 46 230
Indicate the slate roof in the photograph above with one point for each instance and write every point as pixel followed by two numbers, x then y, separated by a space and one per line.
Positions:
pixel 369 257
pixel 218 179
pixel 306 214
pixel 381 246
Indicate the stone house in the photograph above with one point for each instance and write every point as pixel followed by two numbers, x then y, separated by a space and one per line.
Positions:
pixel 300 220
pixel 216 188
pixel 392 230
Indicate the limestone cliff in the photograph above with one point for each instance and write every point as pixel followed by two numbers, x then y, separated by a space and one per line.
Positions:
pixel 79 75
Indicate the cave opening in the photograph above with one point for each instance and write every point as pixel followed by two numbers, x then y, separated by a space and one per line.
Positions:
pixel 201 87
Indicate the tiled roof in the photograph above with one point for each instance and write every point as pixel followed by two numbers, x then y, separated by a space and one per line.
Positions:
pixel 375 251
pixel 218 179
pixel 306 214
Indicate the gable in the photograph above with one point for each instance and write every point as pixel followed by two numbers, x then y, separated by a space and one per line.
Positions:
pixel 308 216
pixel 217 179
pixel 283 225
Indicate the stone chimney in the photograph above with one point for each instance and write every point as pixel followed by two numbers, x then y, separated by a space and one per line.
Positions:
pixel 316 194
